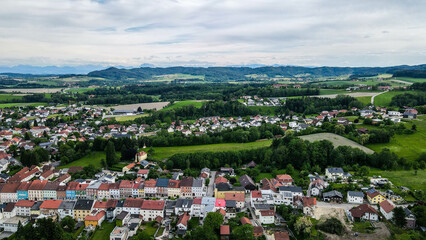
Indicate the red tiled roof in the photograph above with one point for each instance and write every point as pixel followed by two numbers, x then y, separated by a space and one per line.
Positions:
pixel 96 217
pixel 309 201
pixel 106 204
pixel 358 212
pixel 387 206
pixel 373 195
pixel 47 174
pixel 103 187
pixel 133 203
pixel 143 171
pixel 196 201
pixel 256 194
pixel 25 203
pixel 281 236
pixel 239 197
pixel 220 179
pixel 284 177
pixel 258 230
pixel 152 204
pixel 126 184
pixel 174 184
pixel 150 183
pixel 10 187
pixel 267 212
pixel 72 186
pixel 183 219
pixel 245 220
pixel 224 230
pixel 38 185
pixel 51 204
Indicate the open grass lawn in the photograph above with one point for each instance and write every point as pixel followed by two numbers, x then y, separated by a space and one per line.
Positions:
pixel 370 82
pixel 93 158
pixel 179 104
pixel 403 178
pixel 408 146
pixel 9 97
pixel 9 105
pixel 384 99
pixel 364 100
pixel 268 175
pixel 165 152
pixel 104 231
pixel 129 118
pixel 413 80
pixel 331 91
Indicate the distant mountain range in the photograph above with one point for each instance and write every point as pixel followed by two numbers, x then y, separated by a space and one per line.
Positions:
pixel 50 70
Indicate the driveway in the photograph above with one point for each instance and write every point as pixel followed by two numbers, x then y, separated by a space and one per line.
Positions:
pixel 210 189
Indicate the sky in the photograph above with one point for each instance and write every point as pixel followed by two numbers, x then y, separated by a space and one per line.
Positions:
pixel 212 32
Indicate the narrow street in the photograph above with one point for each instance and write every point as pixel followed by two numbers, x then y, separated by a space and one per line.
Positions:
pixel 210 188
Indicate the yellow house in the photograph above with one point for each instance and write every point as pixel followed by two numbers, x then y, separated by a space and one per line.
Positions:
pixel 94 220
pixel 375 198
pixel 82 209
pixel 222 188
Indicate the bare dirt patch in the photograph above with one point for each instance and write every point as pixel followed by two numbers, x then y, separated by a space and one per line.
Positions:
pixel 336 140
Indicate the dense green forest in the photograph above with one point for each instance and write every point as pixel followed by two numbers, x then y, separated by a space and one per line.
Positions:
pixel 411 73
pixel 313 105
pixel 242 73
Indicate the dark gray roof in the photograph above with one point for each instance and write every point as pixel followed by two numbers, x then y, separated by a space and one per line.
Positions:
pixel 122 215
pixel 355 194
pixel 263 206
pixel 171 204
pixel 120 203
pixel 231 203
pixel 197 183
pixel 290 189
pixel 36 206
pixel 83 204
pixel 223 187
pixel 67 205
pixel 186 203
pixel 245 180
pixel 335 170
pixel 333 193
pixel 162 182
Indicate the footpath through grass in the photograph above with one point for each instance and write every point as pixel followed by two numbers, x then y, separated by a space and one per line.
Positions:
pixel 166 152
pixel 409 146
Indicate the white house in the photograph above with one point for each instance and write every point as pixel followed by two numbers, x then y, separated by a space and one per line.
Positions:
pixel 355 197
pixel 386 208
pixel 267 216
pixel 334 173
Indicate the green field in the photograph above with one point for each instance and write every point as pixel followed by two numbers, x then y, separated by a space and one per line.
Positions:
pixel 93 158
pixel 264 110
pixel 165 152
pixel 179 104
pixel 9 97
pixel 369 82
pixel 80 90
pixel 364 100
pixel 413 80
pixel 129 118
pixel 331 91
pixel 403 178
pixel 384 99
pixel 408 146
pixel 8 105
pixel 103 232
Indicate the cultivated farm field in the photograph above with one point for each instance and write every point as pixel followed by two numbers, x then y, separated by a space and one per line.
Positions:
pixel 32 90
pixel 336 140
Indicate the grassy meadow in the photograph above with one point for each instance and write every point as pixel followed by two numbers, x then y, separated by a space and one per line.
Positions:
pixel 408 146
pixel 180 104
pixel 403 178
pixel 365 100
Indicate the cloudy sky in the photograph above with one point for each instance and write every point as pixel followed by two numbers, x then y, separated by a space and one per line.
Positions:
pixel 212 32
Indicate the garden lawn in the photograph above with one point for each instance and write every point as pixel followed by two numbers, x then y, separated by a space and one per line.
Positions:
pixel 103 234
pixel 180 104
pixel 166 152
pixel 362 227
pixel 149 228
pixel 93 158
pixel 408 146
pixel 403 178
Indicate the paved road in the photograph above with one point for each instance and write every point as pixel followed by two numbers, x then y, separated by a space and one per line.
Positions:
pixel 372 98
pixel 210 189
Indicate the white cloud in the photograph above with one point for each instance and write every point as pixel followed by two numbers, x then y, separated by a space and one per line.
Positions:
pixel 208 32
